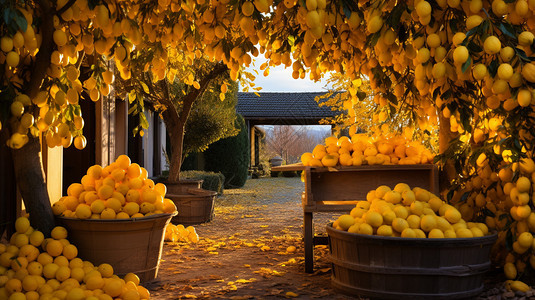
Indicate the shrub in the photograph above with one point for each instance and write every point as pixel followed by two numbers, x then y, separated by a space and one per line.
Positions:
pixel 211 181
pixel 230 156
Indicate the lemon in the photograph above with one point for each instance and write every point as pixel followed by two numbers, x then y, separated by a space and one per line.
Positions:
pixel 505 71
pixel 492 45
pixel 12 59
pixel 519 286
pixel 401 211
pixel 6 44
pixel 427 223
pixel 450 234
pixel 420 233
pixel 384 230
pixel 388 216
pixel 452 215
pixel 414 221
pixel 108 214
pixel 329 160
pixel 113 287
pixel 524 97
pixel 392 197
pixel 523 184
pixel 381 191
pixel 510 270
pixel 345 221
pixel 464 233
pixel 460 55
pixel 60 37
pixel 423 9
pixel 354 228
pixel 400 224
pixel 375 24
pixel 525 38
pixel 365 228
pixel 135 279
pixel 22 224
pixel 507 53
pixel 417 208
pixel 473 21
pixel 436 233
pixel 83 211
pixel 408 197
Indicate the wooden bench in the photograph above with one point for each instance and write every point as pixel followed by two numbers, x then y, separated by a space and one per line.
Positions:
pixel 339 189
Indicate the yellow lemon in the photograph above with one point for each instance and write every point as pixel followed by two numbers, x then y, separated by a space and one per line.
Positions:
pixel 452 215
pixel 428 223
pixel 384 230
pixel 492 45
pixel 408 233
pixel 436 233
pixel 345 221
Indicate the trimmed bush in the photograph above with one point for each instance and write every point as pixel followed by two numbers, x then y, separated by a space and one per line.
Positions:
pixel 230 156
pixel 211 181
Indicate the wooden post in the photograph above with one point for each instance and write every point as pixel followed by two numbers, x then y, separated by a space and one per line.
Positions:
pixel 121 127
pixel 53 167
pixel 105 130
pixel 308 233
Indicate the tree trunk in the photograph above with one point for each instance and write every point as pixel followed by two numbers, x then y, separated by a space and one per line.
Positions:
pixel 32 185
pixel 176 123
pixel 445 137
pixel 27 160
pixel 8 200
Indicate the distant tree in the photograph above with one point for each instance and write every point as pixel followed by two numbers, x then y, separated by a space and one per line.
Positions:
pixel 289 142
pixel 211 119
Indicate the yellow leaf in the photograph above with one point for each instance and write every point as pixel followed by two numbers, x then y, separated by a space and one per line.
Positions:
pixel 291 295
pixel 264 226
pixel 190 296
pixel 214 252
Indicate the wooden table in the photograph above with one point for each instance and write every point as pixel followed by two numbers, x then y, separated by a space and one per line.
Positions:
pixel 339 189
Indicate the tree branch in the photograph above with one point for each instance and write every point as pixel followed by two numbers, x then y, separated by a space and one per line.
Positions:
pixel 65 7
pixel 42 59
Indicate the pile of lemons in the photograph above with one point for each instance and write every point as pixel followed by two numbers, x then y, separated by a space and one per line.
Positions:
pixel 361 149
pixel 120 190
pixel 33 267
pixel 179 233
pixel 408 213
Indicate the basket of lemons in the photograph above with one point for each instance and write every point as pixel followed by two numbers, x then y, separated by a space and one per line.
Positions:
pixel 35 267
pixel 117 215
pixel 405 242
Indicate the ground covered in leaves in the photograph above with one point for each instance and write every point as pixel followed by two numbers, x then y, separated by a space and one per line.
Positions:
pixel 242 253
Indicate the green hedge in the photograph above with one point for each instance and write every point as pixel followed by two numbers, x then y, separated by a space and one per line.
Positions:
pixel 211 181
pixel 230 156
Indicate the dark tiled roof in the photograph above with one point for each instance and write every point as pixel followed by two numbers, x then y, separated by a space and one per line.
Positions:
pixel 282 106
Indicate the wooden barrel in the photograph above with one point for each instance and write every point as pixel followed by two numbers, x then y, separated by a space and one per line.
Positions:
pixel 183 185
pixel 408 268
pixel 128 245
pixel 196 206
